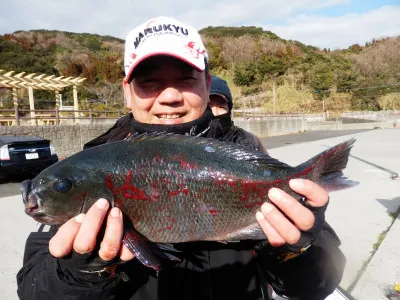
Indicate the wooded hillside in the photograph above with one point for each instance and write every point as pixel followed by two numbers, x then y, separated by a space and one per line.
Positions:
pixel 253 61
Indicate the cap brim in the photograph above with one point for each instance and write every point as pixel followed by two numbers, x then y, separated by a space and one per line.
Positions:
pixel 221 95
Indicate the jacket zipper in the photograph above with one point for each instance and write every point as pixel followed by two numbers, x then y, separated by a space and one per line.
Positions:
pixel 209 275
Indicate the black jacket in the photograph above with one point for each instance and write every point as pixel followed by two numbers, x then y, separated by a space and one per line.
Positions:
pixel 207 270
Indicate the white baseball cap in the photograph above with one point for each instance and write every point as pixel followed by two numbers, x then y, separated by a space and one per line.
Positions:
pixel 164 36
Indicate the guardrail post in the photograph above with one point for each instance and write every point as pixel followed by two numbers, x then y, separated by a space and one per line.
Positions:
pixel 16 116
pixel 57 116
pixel 90 116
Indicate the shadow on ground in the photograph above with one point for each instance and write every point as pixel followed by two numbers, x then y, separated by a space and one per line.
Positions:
pixel 392 205
pixel 10 186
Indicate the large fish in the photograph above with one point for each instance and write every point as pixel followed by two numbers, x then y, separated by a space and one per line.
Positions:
pixel 174 188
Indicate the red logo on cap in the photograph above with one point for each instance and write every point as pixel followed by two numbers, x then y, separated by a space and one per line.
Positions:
pixel 133 55
pixel 195 50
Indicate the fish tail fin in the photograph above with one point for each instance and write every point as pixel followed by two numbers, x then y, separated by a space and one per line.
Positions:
pixel 328 165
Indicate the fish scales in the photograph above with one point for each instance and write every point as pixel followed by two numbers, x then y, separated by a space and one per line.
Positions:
pixel 184 199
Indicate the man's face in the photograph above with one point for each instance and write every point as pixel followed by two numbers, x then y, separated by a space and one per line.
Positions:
pixel 167 91
pixel 219 105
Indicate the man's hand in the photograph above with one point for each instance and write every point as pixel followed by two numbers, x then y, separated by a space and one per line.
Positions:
pixel 80 234
pixel 276 226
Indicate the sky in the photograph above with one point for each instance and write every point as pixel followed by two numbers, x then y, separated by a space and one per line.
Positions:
pixel 333 24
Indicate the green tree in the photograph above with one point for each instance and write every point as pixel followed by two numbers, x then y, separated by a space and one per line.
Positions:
pixel 271 66
pixel 245 75
pixel 321 79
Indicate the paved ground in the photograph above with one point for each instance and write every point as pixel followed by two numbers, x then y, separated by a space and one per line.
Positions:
pixel 359 215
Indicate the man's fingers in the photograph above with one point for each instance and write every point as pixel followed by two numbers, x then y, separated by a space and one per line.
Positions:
pixel 61 243
pixel 316 195
pixel 301 216
pixel 273 237
pixel 109 247
pixel 280 223
pixel 85 240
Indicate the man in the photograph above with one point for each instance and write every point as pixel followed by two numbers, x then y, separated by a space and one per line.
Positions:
pixel 220 96
pixel 221 105
pixel 167 86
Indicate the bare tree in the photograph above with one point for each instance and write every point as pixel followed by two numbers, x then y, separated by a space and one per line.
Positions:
pixel 108 93
pixel 239 50
pixel 379 57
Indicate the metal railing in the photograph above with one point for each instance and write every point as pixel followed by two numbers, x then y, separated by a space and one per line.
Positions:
pixel 14 117
pixel 252 114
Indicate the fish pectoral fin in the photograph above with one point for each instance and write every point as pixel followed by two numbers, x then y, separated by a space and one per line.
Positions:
pixel 251 232
pixel 141 248
pixel 147 252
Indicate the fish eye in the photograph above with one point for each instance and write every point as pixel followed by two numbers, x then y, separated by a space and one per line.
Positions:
pixel 63 186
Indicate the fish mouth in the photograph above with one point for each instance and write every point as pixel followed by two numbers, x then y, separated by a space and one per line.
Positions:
pixel 30 200
pixel 42 216
pixel 33 209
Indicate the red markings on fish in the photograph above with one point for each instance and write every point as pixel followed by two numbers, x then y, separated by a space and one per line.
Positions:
pixel 81 197
pixel 127 190
pixel 165 218
pixel 178 185
pixel 250 191
pixel 213 212
pixel 183 161
pixel 184 190
pixel 110 184
pixel 184 164
pixel 174 193
pixel 302 173
pixel 131 192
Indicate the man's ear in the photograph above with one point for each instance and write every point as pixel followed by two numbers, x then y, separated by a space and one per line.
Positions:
pixel 127 91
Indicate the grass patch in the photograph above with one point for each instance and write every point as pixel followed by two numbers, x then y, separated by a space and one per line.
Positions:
pixel 395 214
pixel 375 247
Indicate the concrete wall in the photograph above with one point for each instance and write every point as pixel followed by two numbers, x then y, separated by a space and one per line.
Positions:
pixel 262 127
pixel 69 139
pixel 338 125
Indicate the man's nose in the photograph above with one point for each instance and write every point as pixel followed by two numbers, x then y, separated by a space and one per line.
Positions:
pixel 170 95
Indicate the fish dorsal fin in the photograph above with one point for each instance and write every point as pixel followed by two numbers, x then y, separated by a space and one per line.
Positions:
pixel 229 149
